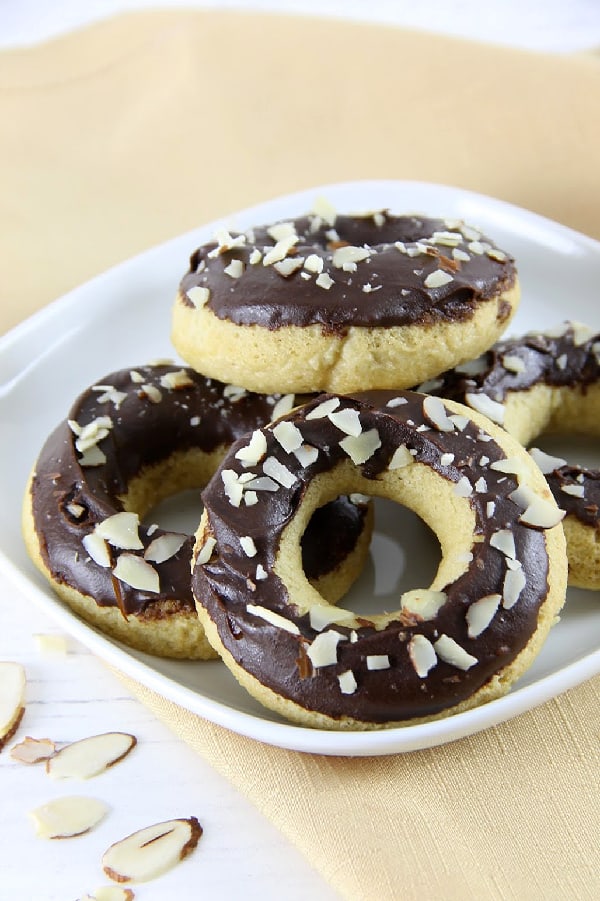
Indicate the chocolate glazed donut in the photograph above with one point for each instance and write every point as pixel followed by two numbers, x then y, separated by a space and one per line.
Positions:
pixel 448 647
pixel 137 437
pixel 545 382
pixel 340 303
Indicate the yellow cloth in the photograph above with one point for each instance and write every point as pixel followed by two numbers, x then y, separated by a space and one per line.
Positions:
pixel 119 136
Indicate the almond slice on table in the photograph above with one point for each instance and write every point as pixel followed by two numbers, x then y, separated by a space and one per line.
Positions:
pixel 90 756
pixel 68 817
pixel 33 750
pixel 148 853
pixel 12 699
pixel 110 893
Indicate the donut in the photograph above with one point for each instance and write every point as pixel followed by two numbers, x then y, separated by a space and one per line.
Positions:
pixel 545 382
pixel 342 303
pixel 131 440
pixel 458 643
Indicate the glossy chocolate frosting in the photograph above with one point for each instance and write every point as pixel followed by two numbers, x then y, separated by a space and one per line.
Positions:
pixel 151 413
pixel 417 270
pixel 230 580
pixel 565 357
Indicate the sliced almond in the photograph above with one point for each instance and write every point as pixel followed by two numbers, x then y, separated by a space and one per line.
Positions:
pixel 275 619
pixel 451 652
pixel 322 615
pixel 514 583
pixel 90 756
pixel 198 295
pixel 97 548
pixel 148 853
pixel 53 645
pixel 361 448
pixel 164 547
pixel 542 514
pixel 422 655
pixel 438 278
pixel 434 410
pixel 121 530
pixel 513 466
pixel 423 602
pixel 176 380
pixel 33 750
pixel 400 458
pixel 111 893
pixel 504 541
pixel 348 683
pixel 68 817
pixel 134 571
pixel 12 699
pixel 288 435
pixel 346 420
pixel 481 613
pixel 324 409
pixel 323 650
pixel 484 404
pixel 283 406
pixel 276 470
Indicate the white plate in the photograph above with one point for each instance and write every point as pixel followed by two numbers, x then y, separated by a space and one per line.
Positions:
pixel 122 318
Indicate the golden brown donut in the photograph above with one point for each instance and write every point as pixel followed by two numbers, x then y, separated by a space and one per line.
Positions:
pixel 457 643
pixel 330 302
pixel 545 383
pixel 138 436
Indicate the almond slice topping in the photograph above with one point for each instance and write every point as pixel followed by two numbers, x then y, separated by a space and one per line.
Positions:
pixel 12 699
pixel 451 652
pixel 164 547
pixel 275 619
pixel 134 571
pixel 542 514
pixel 121 530
pixel 68 817
pixel 422 655
pixel 148 853
pixel 348 683
pixel 346 420
pixel 252 452
pixel 484 404
pixel 434 410
pixel 323 650
pixel 481 613
pixel 361 448
pixel 90 756
pixel 423 602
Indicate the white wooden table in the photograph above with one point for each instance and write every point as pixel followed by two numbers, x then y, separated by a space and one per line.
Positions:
pixel 73 695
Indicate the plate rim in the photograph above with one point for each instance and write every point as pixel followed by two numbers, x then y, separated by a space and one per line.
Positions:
pixel 285 735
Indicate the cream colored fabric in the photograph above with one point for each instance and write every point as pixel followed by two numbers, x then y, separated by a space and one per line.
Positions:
pixel 137 129
pixel 510 813
pixel 125 134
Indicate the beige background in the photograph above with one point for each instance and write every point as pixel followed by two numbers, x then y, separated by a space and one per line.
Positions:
pixel 120 136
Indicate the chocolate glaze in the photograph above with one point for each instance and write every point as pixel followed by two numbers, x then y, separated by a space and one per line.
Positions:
pixel 564 358
pixel 147 428
pixel 396 293
pixel 278 659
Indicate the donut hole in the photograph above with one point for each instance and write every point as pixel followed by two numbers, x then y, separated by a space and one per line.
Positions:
pixel 180 512
pixel 447 526
pixel 404 554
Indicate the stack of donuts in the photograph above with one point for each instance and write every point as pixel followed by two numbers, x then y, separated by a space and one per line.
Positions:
pixel 329 360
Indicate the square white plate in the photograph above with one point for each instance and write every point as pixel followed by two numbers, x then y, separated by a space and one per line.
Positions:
pixel 122 319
